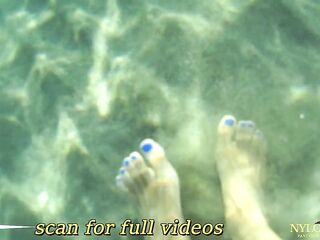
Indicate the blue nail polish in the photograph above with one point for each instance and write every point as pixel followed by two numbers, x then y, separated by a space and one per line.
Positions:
pixel 122 171
pixel 243 125
pixel 126 162
pixel 246 124
pixel 146 147
pixel 229 122
pixel 250 124
pixel 133 157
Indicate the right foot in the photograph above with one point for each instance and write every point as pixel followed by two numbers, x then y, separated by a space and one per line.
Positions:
pixel 155 184
pixel 240 160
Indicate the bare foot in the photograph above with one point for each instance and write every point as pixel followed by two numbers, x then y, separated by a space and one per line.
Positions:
pixel 154 183
pixel 240 161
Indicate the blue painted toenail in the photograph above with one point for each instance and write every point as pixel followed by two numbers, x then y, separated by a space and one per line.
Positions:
pixel 122 171
pixel 229 122
pixel 146 147
pixel 133 157
pixel 126 162
pixel 243 125
pixel 250 124
pixel 246 125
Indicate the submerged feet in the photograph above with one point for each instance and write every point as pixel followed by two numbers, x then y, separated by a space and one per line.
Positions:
pixel 154 183
pixel 240 156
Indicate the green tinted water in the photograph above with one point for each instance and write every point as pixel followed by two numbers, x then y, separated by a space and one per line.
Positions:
pixel 83 83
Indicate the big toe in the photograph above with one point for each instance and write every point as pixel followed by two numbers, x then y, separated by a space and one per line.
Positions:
pixel 154 152
pixel 226 129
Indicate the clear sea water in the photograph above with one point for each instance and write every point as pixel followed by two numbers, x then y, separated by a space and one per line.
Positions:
pixel 83 82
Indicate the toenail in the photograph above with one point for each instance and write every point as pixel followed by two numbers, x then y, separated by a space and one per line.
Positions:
pixel 146 147
pixel 250 124
pixel 246 125
pixel 243 125
pixel 122 171
pixel 229 122
pixel 126 162
pixel 133 157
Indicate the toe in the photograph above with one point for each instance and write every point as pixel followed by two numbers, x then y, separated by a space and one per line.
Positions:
pixel 134 163
pixel 123 179
pixel 153 152
pixel 138 170
pixel 259 142
pixel 134 175
pixel 120 183
pixel 226 128
pixel 129 181
pixel 245 131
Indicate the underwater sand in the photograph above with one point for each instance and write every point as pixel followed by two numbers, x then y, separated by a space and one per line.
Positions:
pixel 83 82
